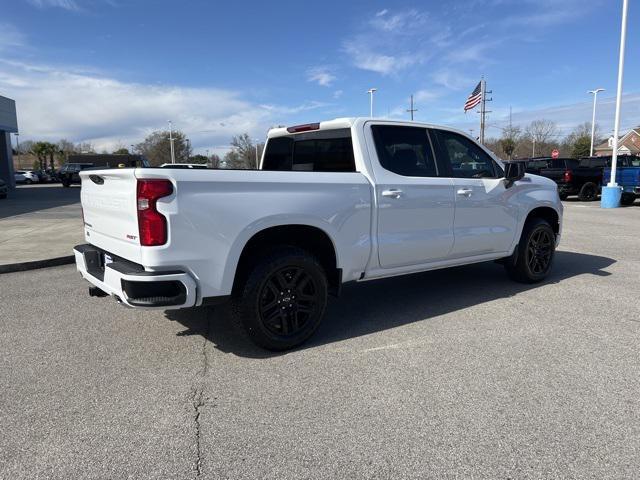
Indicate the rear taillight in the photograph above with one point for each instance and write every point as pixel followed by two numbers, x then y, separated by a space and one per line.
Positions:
pixel 152 225
pixel 568 176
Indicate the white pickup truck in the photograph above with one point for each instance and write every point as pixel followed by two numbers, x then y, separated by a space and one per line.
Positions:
pixel 345 200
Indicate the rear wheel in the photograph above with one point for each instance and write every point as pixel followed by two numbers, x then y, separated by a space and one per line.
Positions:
pixel 627 199
pixel 28 181
pixel 588 192
pixel 283 300
pixel 563 196
pixel 534 254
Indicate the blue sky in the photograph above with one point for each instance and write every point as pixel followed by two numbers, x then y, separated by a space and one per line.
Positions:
pixel 110 71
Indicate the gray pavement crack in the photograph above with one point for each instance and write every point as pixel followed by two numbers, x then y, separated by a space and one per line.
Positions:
pixel 197 398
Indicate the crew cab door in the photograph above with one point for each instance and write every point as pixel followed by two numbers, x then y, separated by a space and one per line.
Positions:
pixel 485 220
pixel 415 205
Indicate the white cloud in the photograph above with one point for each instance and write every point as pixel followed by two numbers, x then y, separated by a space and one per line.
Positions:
pixel 58 102
pixel 64 4
pixel 10 37
pixel 322 75
pixel 337 94
pixel 382 12
pixel 425 95
pixel 364 58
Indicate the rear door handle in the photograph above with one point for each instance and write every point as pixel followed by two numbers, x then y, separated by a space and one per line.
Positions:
pixel 392 193
pixel 465 192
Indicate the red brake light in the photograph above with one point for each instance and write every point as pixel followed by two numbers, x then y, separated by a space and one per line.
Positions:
pixel 568 176
pixel 303 128
pixel 152 225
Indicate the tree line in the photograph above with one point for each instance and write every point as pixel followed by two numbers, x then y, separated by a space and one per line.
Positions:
pixel 540 138
pixel 156 147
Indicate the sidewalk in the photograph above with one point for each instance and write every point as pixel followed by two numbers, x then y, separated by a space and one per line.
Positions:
pixel 38 223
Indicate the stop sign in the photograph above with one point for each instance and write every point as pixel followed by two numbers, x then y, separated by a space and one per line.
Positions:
pixel 555 153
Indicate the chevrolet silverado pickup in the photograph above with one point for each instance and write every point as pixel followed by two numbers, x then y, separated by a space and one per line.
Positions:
pixel 346 200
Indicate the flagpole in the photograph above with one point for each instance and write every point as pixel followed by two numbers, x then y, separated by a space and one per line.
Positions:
pixel 483 89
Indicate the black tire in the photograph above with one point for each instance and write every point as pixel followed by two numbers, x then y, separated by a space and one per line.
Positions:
pixel 588 192
pixel 283 299
pixel 532 260
pixel 627 199
pixel 65 184
pixel 28 181
pixel 563 196
pixel 3 196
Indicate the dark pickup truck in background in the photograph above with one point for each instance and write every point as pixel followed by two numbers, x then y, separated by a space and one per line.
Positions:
pixel 582 177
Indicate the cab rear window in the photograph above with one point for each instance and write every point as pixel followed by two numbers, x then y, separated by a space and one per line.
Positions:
pixel 320 151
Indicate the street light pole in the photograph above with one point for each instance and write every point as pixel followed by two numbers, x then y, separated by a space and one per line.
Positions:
pixel 371 91
pixel 173 155
pixel 593 117
pixel 611 193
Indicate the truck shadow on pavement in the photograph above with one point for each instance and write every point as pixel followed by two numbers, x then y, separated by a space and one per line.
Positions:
pixel 388 303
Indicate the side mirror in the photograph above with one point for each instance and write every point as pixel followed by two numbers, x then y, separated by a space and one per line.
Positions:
pixel 513 171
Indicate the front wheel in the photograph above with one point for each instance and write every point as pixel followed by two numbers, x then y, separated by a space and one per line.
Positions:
pixel 534 253
pixel 283 299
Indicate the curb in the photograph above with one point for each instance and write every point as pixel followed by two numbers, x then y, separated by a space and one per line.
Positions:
pixel 49 262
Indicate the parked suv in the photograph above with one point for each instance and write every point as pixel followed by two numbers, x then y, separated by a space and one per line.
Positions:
pixel 69 173
pixel 26 176
pixel 4 190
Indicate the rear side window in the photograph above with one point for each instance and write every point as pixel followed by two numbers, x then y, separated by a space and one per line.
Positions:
pixel 405 151
pixel 322 151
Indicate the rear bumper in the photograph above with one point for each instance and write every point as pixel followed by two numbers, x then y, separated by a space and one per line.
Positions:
pixel 131 284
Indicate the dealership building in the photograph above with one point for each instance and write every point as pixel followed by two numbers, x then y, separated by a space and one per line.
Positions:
pixel 8 125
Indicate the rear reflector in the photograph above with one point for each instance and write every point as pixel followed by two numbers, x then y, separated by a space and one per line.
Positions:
pixel 303 128
pixel 152 225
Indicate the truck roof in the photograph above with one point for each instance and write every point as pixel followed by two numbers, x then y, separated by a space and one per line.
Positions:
pixel 345 122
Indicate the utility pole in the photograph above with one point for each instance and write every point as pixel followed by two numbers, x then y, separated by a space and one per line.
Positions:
pixel 533 154
pixel 411 109
pixel 17 143
pixel 173 155
pixel 483 107
pixel 593 117
pixel 371 91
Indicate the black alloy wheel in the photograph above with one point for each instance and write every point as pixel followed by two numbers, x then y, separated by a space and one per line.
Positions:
pixel 282 299
pixel 539 251
pixel 533 257
pixel 288 301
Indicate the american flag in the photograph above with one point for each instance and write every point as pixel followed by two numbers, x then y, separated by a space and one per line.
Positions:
pixel 475 98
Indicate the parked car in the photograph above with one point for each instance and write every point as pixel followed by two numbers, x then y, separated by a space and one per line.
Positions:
pixel 345 200
pixel 26 176
pixel 69 173
pixel 183 165
pixel 4 189
pixel 628 177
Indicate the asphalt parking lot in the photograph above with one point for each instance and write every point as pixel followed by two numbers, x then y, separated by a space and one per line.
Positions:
pixel 455 373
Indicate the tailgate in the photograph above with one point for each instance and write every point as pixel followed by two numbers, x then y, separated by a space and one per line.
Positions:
pixel 555 174
pixel 110 211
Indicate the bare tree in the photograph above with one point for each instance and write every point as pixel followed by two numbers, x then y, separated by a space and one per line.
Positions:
pixel 157 147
